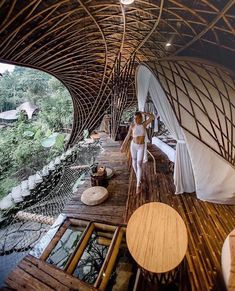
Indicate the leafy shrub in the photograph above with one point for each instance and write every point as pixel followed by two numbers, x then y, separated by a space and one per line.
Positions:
pixel 21 151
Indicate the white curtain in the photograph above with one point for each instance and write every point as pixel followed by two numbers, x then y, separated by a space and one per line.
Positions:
pixel 196 165
pixel 183 172
pixel 142 80
pixel 214 177
pixel 156 116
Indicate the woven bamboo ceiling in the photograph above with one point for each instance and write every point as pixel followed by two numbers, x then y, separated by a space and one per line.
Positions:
pixel 93 46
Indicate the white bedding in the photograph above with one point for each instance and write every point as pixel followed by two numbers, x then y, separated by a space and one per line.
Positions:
pixel 169 151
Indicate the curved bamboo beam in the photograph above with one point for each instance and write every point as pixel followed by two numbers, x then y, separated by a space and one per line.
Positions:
pixel 50 36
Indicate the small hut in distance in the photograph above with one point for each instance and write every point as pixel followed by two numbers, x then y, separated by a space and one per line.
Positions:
pixel 28 108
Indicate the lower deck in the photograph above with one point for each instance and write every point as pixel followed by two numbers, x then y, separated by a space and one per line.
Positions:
pixel 208 224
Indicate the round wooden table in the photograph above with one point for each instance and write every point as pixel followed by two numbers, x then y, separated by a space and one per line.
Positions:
pixel 157 237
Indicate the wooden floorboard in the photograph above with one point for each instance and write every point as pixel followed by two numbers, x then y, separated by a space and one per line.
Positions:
pixel 112 210
pixel 208 224
pixel 34 274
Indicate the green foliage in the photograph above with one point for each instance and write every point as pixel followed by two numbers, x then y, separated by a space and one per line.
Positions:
pixel 55 139
pixel 8 89
pixel 21 150
pixel 56 112
pixel 85 133
pixel 28 133
pixel 6 186
pixel 59 144
pixel 49 141
pixel 127 114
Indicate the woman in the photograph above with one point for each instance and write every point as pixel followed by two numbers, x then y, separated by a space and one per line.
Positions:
pixel 138 131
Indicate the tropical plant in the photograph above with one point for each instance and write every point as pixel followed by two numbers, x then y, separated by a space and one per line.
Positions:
pixel 22 146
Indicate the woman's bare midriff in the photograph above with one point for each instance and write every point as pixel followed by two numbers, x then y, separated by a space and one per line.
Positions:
pixel 139 139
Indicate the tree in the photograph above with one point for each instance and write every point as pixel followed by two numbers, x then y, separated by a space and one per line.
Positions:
pixel 21 150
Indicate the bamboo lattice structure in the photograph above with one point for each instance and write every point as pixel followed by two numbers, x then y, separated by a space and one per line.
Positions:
pixel 202 96
pixel 80 41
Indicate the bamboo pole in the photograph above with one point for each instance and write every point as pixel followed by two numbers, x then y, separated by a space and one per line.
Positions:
pixel 78 253
pixel 27 216
pixel 55 240
pixel 111 262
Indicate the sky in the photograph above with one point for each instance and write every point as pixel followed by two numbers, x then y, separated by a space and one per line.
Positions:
pixel 4 67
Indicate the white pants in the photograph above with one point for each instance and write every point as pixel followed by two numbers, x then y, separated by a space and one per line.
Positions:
pixel 137 154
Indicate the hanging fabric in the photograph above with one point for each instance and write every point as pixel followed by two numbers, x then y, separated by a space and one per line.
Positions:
pixel 183 172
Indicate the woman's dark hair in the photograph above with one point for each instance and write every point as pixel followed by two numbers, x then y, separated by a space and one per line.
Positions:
pixel 137 113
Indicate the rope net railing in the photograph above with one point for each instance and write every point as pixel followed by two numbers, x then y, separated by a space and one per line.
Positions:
pixel 29 220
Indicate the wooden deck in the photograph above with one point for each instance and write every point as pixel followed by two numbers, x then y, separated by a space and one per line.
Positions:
pixel 112 210
pixel 207 224
pixel 33 274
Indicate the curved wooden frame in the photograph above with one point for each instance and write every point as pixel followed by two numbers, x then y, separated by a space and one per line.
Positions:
pixel 80 43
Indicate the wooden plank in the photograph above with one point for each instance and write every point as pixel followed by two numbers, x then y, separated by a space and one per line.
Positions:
pixel 80 249
pixel 21 280
pixel 58 275
pixel 107 258
pixel 55 239
pixel 34 274
pixel 111 262
pixel 208 224
pixel 113 209
pixel 39 274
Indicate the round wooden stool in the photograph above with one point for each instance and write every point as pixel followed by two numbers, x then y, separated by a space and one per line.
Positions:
pixel 94 195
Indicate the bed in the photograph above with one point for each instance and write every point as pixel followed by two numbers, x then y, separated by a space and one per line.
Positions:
pixel 167 144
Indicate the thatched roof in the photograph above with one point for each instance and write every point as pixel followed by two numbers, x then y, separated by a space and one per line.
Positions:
pixel 9 115
pixel 28 107
pixel 87 44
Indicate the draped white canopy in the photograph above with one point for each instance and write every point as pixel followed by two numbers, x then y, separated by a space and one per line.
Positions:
pixel 183 173
pixel 197 167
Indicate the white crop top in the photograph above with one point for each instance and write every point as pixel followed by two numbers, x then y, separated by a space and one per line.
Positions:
pixel 138 130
